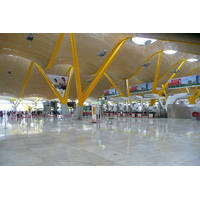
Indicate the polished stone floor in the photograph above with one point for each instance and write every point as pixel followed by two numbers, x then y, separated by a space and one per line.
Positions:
pixel 124 141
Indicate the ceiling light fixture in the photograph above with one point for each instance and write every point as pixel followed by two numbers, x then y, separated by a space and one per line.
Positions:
pixel 29 37
pixel 170 52
pixel 146 64
pixel 192 60
pixel 142 41
pixel 102 53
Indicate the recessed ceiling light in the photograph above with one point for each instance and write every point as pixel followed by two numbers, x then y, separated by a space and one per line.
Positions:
pixel 170 52
pixel 142 41
pixel 192 60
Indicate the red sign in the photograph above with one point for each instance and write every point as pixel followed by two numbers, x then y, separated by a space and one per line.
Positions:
pixel 134 87
pixel 175 82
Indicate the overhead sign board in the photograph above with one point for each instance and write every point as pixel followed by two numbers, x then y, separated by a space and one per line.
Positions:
pixel 145 87
pixel 138 88
pixel 111 92
pixel 188 81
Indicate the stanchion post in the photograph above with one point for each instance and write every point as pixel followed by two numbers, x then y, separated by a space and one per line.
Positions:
pixel 5 125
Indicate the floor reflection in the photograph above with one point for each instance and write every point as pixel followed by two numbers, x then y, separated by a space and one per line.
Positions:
pixel 121 141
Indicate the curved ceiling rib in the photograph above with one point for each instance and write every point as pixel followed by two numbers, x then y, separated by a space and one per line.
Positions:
pixel 53 53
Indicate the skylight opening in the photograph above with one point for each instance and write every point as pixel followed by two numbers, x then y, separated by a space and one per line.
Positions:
pixel 170 52
pixel 192 60
pixel 142 41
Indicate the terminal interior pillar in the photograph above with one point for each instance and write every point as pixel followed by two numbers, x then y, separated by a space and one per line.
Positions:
pixel 65 109
pixel 79 112
pixel 47 107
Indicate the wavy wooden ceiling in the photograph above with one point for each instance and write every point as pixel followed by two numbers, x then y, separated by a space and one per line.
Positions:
pixel 16 54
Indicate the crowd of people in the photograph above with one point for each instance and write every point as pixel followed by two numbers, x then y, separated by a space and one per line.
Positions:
pixel 20 114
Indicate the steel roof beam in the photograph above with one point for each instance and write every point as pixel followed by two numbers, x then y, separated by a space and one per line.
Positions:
pixel 59 41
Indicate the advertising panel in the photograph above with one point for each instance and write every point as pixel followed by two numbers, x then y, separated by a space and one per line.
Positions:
pixel 94 113
pixel 188 81
pixel 111 92
pixel 59 82
pixel 138 88
pixel 149 86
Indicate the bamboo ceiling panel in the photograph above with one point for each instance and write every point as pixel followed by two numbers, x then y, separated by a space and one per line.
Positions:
pixel 16 54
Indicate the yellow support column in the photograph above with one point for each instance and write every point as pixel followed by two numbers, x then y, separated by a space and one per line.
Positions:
pixel 103 68
pixel 113 84
pixel 181 90
pixel 194 93
pixel 68 71
pixel 187 89
pixel 156 74
pixel 55 50
pixel 170 69
pixel 127 88
pixel 26 79
pixel 108 57
pixel 50 83
pixel 192 71
pixel 194 98
pixel 141 67
pixel 152 101
pixel 171 77
pixel 68 86
pixel 166 96
pixel 76 70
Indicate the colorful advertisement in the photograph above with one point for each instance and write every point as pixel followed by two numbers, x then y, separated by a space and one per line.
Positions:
pixel 111 92
pixel 149 86
pixel 94 113
pixel 145 87
pixel 188 81
pixel 138 88
pixel 59 82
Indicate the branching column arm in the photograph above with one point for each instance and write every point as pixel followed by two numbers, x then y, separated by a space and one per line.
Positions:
pixel 187 89
pixel 169 69
pixel 68 86
pixel 26 79
pixel 157 73
pixel 49 83
pixel 192 71
pixel 103 68
pixel 165 93
pixel 76 70
pixel 194 93
pixel 181 90
pixel 59 41
pixel 141 67
pixel 127 88
pixel 194 98
pixel 171 77
pixel 113 84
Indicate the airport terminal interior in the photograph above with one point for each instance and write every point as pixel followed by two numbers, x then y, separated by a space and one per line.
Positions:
pixel 99 99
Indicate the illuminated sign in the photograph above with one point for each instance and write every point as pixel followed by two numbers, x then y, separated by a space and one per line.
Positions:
pixel 111 92
pixel 188 81
pixel 145 87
